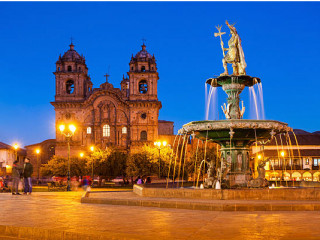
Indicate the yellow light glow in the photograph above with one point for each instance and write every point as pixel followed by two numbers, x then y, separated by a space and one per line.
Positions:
pixel 81 155
pixel 8 169
pixel 159 144
pixel 164 143
pixel 259 156
pixel 282 153
pixel 16 146
pixel 37 150
pixel 62 127
pixel 155 143
pixel 72 128
pixel 92 148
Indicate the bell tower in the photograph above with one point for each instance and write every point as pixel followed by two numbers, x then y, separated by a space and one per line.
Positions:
pixel 72 80
pixel 143 98
pixel 143 76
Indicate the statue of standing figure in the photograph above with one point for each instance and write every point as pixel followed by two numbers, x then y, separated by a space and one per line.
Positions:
pixel 234 55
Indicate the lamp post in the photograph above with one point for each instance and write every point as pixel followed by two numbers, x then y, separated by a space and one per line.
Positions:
pixel 92 176
pixel 16 146
pixel 68 136
pixel 38 152
pixel 158 146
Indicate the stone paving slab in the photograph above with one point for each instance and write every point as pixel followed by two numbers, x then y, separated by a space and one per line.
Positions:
pixel 131 199
pixel 61 216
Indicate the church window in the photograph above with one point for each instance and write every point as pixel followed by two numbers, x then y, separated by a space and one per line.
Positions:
pixel 124 130
pixel 143 136
pixel 88 130
pixel 143 69
pixel 58 68
pixel 152 68
pixel 69 69
pixel 131 68
pixel 143 87
pixel 143 115
pixel 106 130
pixel 79 69
pixel 70 86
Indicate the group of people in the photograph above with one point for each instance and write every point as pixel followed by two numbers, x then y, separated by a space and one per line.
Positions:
pixel 22 171
pixel 143 180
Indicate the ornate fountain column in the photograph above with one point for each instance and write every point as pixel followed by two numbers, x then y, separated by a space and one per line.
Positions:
pixel 233 87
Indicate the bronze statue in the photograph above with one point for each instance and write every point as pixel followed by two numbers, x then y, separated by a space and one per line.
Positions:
pixel 260 181
pixel 234 55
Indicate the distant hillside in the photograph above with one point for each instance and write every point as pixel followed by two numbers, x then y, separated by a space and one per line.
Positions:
pixel 300 131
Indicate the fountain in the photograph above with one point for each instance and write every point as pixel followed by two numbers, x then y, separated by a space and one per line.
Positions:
pixel 235 135
pixel 234 169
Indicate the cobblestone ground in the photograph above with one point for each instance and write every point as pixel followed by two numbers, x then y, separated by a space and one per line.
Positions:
pixel 63 211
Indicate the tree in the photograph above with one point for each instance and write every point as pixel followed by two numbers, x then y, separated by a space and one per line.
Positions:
pixel 146 162
pixel 58 166
pixel 108 163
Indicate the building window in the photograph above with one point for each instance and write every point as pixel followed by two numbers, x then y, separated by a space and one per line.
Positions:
pixel 88 130
pixel 58 68
pixel 69 69
pixel 316 162
pixel 131 68
pixel 124 130
pixel 143 136
pixel 70 86
pixel 307 161
pixel 106 131
pixel 143 87
pixel 143 69
pixel 143 115
pixel 79 69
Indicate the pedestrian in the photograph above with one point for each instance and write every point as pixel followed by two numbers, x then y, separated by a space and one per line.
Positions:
pixel 27 172
pixel 139 181
pixel 85 184
pixel 16 174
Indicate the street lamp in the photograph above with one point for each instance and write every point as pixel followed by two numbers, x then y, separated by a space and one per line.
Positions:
pixel 68 134
pixel 38 152
pixel 92 176
pixel 81 154
pixel 158 146
pixel 16 146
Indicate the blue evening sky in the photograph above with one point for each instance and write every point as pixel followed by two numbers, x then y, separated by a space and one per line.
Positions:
pixel 280 41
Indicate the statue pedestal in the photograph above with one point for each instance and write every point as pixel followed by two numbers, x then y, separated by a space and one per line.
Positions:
pixel 238 180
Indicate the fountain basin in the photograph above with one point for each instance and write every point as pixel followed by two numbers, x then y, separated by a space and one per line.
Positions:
pixel 291 194
pixel 246 130
pixel 235 136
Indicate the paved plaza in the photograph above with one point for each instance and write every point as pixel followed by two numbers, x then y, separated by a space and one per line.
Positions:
pixel 60 215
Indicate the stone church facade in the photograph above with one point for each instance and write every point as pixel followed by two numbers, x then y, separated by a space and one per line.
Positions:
pixel 125 118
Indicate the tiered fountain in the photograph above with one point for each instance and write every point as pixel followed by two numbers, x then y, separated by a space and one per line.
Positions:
pixel 235 135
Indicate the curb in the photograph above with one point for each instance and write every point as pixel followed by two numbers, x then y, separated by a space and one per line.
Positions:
pixel 35 233
pixel 231 207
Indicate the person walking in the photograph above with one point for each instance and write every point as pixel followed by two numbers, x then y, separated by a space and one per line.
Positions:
pixel 16 173
pixel 27 172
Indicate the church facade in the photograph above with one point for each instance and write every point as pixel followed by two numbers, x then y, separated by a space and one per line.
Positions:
pixel 125 118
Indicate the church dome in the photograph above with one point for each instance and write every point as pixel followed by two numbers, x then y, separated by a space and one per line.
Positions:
pixel 72 56
pixel 143 55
